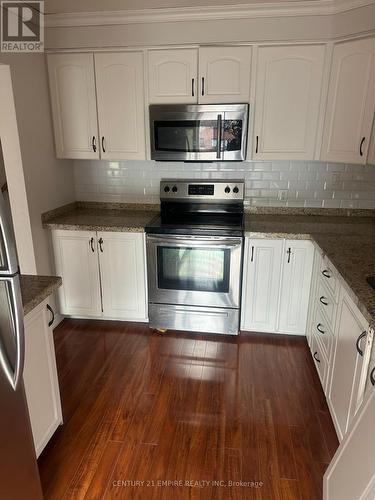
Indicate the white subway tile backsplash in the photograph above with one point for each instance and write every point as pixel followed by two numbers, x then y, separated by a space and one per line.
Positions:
pixel 308 184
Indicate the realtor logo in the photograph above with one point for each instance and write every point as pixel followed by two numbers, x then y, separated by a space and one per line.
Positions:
pixel 22 26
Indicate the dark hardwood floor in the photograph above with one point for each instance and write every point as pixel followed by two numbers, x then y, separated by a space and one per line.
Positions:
pixel 198 410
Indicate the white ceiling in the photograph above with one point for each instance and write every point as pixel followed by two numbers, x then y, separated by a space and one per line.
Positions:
pixel 59 6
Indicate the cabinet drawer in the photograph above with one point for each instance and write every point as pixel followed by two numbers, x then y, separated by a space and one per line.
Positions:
pixel 329 277
pixel 320 361
pixel 326 304
pixel 322 332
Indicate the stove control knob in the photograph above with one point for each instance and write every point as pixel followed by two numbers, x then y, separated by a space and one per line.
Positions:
pixel 235 189
pixel 174 189
pixel 166 189
pixel 227 190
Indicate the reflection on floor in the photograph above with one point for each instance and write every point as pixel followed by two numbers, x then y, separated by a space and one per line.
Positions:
pixel 185 415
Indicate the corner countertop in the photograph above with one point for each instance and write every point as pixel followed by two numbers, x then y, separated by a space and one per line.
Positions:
pixel 349 243
pixel 101 217
pixel 35 289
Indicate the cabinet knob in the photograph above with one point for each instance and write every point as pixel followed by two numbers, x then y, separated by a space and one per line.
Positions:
pixel 326 273
pixel 93 143
pixel 372 376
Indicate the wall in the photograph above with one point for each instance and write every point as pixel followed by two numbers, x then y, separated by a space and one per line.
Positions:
pixel 304 184
pixel 49 182
pixel 272 25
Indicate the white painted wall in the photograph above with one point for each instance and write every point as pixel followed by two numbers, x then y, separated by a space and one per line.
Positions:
pixel 273 28
pixel 49 182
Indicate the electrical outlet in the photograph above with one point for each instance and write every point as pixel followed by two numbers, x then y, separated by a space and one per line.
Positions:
pixel 283 194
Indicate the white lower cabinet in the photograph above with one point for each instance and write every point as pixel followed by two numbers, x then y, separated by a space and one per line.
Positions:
pixel 104 274
pixel 122 270
pixel 76 261
pixel 40 377
pixel 276 285
pixel 298 259
pixel 346 385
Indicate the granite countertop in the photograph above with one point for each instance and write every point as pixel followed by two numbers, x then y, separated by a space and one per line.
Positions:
pixel 35 289
pixel 93 217
pixel 349 243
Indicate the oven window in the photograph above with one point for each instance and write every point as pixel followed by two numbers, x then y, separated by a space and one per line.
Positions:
pixel 191 136
pixel 198 269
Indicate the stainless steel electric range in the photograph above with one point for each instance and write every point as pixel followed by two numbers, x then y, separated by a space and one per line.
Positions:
pixel 194 256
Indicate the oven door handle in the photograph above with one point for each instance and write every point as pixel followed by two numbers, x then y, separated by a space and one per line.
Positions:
pixel 188 243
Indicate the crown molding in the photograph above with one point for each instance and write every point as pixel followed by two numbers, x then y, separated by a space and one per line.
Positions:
pixel 227 12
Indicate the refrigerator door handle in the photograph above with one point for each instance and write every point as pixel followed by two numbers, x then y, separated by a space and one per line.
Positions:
pixel 10 266
pixel 14 375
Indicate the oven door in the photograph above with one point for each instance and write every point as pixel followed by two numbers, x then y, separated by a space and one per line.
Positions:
pixel 195 271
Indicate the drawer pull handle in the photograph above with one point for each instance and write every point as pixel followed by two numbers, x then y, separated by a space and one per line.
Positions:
pixel 50 323
pixel 94 143
pixel 323 300
pixel 361 146
pixel 326 273
pixel 372 376
pixel 316 357
pixel 359 350
pixel 91 243
pixel 319 328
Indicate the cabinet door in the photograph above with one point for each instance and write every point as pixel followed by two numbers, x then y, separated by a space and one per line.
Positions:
pixel 345 387
pixel 123 275
pixel 224 74
pixel 261 283
pixel 288 93
pixel 295 286
pixel 355 459
pixel 351 102
pixel 172 76
pixel 76 261
pixel 40 378
pixel 72 86
pixel 120 95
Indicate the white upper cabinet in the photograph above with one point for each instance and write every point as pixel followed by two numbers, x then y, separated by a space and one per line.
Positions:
pixel 123 275
pixel 351 102
pixel 172 76
pixel 73 101
pixel 295 286
pixel 119 82
pixel 288 97
pixel 224 74
pixel 261 282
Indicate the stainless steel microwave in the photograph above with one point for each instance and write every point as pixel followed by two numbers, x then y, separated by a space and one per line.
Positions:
pixel 195 132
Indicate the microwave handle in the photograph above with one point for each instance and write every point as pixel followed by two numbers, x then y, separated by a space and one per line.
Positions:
pixel 219 136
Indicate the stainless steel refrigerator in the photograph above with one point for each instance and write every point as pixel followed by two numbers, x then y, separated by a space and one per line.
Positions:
pixel 19 476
